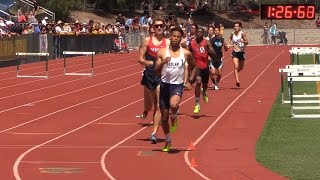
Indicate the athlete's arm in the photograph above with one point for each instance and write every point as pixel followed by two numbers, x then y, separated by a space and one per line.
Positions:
pixel 244 38
pixel 225 45
pixel 211 51
pixel 189 65
pixel 142 52
pixel 161 60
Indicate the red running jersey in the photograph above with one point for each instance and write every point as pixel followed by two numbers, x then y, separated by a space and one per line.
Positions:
pixel 152 49
pixel 200 53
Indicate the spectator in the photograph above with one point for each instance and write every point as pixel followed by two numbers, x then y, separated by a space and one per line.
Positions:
pixel 318 22
pixel 44 21
pixel 58 27
pixel 265 35
pixel 273 33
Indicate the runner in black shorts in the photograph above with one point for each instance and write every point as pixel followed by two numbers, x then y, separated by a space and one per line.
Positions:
pixel 216 64
pixel 238 41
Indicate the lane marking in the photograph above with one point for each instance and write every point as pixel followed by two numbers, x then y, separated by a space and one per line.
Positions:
pixel 66 108
pixel 60 162
pixel 29 133
pixel 117 124
pixel 18 160
pixel 70 92
pixel 186 154
pixel 66 82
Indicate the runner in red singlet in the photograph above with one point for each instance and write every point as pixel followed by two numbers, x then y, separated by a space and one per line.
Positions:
pixel 151 82
pixel 200 49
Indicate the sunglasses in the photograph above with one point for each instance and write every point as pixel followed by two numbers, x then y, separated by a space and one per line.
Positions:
pixel 158 25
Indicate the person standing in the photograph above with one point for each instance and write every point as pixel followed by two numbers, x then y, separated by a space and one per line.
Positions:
pixel 238 41
pixel 151 82
pixel 200 48
pixel 273 33
pixel 216 64
pixel 172 65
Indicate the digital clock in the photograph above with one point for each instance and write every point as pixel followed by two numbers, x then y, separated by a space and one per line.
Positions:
pixel 288 11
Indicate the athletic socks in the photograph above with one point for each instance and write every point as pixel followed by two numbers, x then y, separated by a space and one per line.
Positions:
pixel 168 137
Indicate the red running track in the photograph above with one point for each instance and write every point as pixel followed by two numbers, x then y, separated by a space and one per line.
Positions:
pixel 74 127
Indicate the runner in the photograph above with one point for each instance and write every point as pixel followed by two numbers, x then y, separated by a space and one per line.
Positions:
pixel 216 64
pixel 200 49
pixel 172 64
pixel 238 41
pixel 151 82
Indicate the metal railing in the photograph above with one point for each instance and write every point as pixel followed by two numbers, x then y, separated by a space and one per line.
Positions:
pixel 6 14
pixel 46 11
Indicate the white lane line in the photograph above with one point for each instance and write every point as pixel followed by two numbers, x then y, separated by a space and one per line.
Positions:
pixel 69 107
pixel 186 154
pixel 104 155
pixel 80 147
pixel 66 82
pixel 18 160
pixel 70 92
pixel 60 162
pixel 117 124
pixel 5 87
pixel 60 63
pixel 34 133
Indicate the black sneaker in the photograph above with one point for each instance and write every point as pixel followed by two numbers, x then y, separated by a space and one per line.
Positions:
pixel 238 84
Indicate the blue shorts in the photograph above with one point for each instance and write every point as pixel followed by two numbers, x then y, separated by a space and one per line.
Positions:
pixel 150 80
pixel 167 91
pixel 240 55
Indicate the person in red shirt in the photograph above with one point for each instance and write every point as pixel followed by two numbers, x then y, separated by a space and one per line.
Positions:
pixel 200 48
pixel 150 80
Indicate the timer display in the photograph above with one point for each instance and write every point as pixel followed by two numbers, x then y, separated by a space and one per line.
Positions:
pixel 288 11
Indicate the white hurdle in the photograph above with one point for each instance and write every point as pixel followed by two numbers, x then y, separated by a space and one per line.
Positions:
pixel 299 73
pixel 77 53
pixel 32 54
pixel 314 78
pixel 315 51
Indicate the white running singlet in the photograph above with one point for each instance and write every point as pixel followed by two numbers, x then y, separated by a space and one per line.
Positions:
pixel 173 71
pixel 238 45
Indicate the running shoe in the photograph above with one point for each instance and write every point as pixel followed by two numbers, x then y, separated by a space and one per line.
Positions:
pixel 153 139
pixel 174 125
pixel 196 109
pixel 216 87
pixel 166 148
pixel 238 84
pixel 205 97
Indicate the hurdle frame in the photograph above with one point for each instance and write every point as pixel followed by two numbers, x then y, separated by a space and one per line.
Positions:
pixel 32 54
pixel 77 53
pixel 312 70
pixel 315 51
pixel 292 102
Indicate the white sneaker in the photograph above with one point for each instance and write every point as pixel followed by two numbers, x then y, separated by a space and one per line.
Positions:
pixel 216 87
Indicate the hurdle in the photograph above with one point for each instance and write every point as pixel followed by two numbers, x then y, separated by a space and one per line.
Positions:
pixel 293 103
pixel 32 54
pixel 312 70
pixel 297 51
pixel 77 53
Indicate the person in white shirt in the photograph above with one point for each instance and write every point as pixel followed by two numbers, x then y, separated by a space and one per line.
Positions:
pixel 172 65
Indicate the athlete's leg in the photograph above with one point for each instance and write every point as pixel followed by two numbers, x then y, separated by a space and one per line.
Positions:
pixel 156 113
pixel 148 102
pixel 197 92
pixel 236 70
